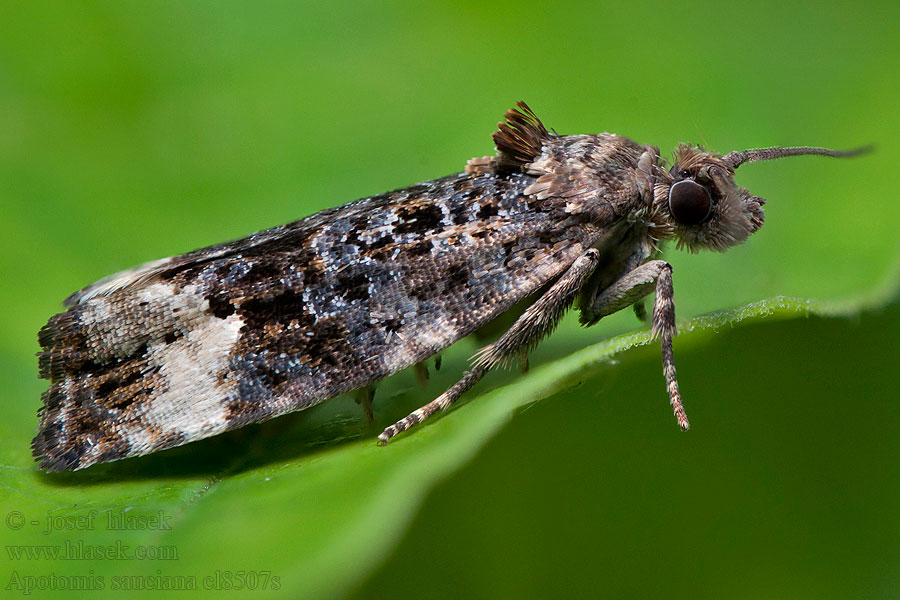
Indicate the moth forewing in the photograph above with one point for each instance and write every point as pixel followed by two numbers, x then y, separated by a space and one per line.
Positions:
pixel 193 345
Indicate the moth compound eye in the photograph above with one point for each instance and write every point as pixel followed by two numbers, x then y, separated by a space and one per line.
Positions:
pixel 689 202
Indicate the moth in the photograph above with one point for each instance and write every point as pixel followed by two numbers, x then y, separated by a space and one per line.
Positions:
pixel 186 347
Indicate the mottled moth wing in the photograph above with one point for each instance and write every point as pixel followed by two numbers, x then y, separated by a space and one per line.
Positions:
pixel 194 345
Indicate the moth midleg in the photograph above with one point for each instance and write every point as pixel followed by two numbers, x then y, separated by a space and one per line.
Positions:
pixel 469 379
pixel 640 311
pixel 630 288
pixel 537 321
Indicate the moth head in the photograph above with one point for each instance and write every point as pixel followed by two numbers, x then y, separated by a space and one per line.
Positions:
pixel 700 204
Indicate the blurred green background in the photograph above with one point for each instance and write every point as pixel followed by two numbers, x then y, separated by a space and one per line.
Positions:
pixel 135 130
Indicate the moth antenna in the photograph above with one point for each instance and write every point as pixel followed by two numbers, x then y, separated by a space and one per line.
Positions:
pixel 739 157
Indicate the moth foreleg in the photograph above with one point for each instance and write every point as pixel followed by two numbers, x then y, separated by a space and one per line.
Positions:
pixel 630 288
pixel 537 321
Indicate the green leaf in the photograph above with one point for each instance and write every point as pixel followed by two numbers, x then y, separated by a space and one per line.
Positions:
pixel 785 486
pixel 292 498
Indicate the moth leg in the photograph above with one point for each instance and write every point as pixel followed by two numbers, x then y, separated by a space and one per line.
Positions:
pixel 640 310
pixel 422 374
pixel 365 397
pixel 469 379
pixel 631 287
pixel 537 321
